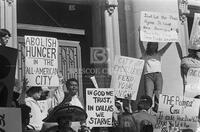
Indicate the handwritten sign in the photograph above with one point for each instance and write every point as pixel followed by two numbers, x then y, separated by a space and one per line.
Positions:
pixel 192 88
pixel 158 27
pixel 126 76
pixel 99 107
pixel 41 61
pixel 10 120
pixel 195 33
pixel 177 112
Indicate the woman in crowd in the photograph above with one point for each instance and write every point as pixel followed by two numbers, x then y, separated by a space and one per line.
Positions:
pixel 152 69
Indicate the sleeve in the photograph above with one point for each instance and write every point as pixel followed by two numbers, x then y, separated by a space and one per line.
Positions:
pixel 28 103
pixel 57 98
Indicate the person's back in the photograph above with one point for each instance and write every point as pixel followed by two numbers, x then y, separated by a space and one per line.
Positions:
pixel 127 123
pixel 146 126
pixel 144 116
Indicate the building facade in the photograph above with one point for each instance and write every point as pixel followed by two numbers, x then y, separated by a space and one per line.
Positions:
pixel 88 28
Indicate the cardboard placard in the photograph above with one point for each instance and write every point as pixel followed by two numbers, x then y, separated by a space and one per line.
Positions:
pixel 99 107
pixel 41 61
pixel 158 27
pixel 192 88
pixel 195 33
pixel 177 113
pixel 126 76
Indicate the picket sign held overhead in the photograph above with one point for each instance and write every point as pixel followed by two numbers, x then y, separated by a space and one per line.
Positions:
pixel 158 27
pixel 41 61
pixel 195 33
pixel 126 74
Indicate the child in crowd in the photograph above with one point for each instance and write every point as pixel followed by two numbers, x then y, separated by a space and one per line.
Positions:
pixel 152 69
pixel 143 119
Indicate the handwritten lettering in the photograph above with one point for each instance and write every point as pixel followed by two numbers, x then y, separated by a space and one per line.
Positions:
pixel 159 27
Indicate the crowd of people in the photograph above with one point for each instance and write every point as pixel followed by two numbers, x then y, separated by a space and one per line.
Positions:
pixel 64 111
pixel 68 114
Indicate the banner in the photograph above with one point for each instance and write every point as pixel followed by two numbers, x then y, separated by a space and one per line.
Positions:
pixel 192 88
pixel 41 61
pixel 177 113
pixel 99 107
pixel 195 33
pixel 10 120
pixel 126 74
pixel 158 27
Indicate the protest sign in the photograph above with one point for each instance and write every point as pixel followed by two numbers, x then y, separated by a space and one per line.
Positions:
pixel 41 61
pixel 10 120
pixel 99 107
pixel 192 87
pixel 158 27
pixel 195 33
pixel 126 76
pixel 177 112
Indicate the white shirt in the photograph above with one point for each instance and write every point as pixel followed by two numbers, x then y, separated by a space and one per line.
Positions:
pixel 75 101
pixel 39 109
pixel 36 113
pixel 152 63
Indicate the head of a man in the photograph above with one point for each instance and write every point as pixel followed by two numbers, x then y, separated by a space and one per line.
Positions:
pixel 72 86
pixel 4 37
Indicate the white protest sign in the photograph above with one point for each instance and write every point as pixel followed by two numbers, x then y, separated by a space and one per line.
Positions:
pixel 99 107
pixel 158 27
pixel 195 33
pixel 192 87
pixel 41 61
pixel 126 76
pixel 177 112
pixel 10 120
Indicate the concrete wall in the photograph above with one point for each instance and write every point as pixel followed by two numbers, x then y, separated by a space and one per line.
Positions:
pixel 170 60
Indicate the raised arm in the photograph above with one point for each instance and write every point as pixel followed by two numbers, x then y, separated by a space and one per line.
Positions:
pixel 178 47
pixel 58 95
pixel 22 96
pixel 164 49
pixel 142 49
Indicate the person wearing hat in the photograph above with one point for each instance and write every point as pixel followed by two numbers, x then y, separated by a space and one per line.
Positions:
pixel 63 115
pixel 4 37
pixel 142 115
